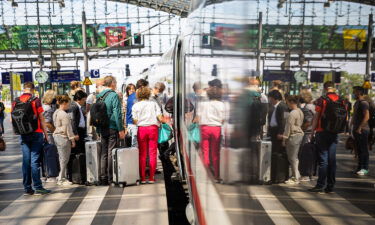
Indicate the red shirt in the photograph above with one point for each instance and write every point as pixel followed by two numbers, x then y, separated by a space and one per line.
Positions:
pixel 37 107
pixel 320 107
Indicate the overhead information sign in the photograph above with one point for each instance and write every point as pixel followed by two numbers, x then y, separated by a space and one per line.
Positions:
pixel 62 76
pixel 283 75
pixel 24 77
pixel 25 37
pixel 315 37
pixel 95 74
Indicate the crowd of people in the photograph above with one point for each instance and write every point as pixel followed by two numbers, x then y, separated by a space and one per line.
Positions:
pixel 67 122
pixel 303 132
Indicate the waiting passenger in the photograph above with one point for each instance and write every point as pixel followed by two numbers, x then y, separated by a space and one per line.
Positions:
pixel 293 135
pixel 115 130
pixel 79 120
pixel 210 115
pixel 131 128
pixel 49 107
pixel 361 128
pixel 63 136
pixel 141 83
pixel 147 115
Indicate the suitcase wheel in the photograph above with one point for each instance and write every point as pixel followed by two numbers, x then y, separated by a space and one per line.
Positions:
pixel 113 184
pixel 137 183
pixel 121 185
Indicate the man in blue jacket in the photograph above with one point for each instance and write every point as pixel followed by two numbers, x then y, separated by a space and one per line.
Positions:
pixel 116 129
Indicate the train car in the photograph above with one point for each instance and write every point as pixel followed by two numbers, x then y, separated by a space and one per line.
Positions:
pixel 209 65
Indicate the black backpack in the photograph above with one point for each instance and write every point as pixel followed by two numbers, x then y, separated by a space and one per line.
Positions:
pixel 335 115
pixel 98 113
pixel 308 117
pixel 24 120
pixel 371 121
pixel 258 116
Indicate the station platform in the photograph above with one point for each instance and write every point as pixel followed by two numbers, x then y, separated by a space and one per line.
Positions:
pixel 76 204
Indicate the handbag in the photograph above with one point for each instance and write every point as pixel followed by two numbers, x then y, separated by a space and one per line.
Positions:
pixel 194 133
pixel 165 133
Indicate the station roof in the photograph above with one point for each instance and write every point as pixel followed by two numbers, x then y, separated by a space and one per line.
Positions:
pixel 178 7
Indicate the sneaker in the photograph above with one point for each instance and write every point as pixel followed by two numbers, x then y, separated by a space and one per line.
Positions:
pixel 66 183
pixel 143 182
pixel 316 190
pixel 42 191
pixel 29 192
pixel 51 180
pixel 305 178
pixel 151 182
pixel 292 181
pixel 362 172
pixel 60 182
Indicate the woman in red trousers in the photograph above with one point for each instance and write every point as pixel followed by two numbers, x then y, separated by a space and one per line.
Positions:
pixel 147 115
pixel 210 115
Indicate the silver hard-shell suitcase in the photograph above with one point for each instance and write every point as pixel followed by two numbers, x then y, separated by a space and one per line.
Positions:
pixel 125 166
pixel 92 149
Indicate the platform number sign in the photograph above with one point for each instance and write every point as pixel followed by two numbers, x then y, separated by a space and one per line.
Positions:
pixel 95 74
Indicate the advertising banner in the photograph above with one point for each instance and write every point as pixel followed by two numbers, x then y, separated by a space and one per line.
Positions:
pixel 25 37
pixel 315 37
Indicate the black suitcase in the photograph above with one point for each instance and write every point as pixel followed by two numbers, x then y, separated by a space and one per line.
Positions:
pixel 279 167
pixel 77 168
pixel 307 159
pixel 51 164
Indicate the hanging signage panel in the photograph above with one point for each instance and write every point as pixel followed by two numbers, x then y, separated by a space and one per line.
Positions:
pixel 283 75
pixel 315 37
pixel 25 37
pixel 24 76
pixel 323 76
pixel 64 76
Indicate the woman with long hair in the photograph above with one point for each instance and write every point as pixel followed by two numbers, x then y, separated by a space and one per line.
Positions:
pixel 63 136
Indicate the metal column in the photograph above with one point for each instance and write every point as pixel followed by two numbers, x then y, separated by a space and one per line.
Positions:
pixel 260 39
pixel 369 47
pixel 85 55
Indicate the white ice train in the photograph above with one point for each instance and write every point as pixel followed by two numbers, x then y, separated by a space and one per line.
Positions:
pixel 212 45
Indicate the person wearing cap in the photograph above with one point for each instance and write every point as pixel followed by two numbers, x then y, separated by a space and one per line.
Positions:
pixel 361 129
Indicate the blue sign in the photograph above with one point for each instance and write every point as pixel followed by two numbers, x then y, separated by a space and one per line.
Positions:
pixel 63 76
pixel 95 74
pixel 25 77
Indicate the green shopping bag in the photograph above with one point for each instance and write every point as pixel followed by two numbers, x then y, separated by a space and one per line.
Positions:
pixel 194 133
pixel 165 133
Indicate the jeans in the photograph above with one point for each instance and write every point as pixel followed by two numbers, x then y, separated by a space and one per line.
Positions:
pixel 31 145
pixel 148 143
pixel 326 144
pixel 292 148
pixel 64 147
pixel 108 144
pixel 133 132
pixel 210 146
pixel 361 143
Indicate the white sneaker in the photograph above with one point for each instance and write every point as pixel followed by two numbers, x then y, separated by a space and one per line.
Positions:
pixel 59 182
pixel 51 179
pixel 305 178
pixel 292 181
pixel 67 183
pixel 362 172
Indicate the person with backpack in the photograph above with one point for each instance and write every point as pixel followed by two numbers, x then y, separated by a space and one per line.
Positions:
pixel 28 121
pixel 293 135
pixel 307 155
pixel 329 120
pixel 360 124
pixel 106 116
pixel 147 115
pixel 276 120
pixel 63 136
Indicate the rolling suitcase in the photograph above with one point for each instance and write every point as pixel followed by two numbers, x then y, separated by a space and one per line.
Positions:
pixel 51 162
pixel 233 169
pixel 92 149
pixel 265 162
pixel 77 168
pixel 307 159
pixel 125 166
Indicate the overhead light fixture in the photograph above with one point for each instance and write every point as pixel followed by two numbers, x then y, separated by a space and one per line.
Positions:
pixel 327 4
pixel 280 4
pixel 61 3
